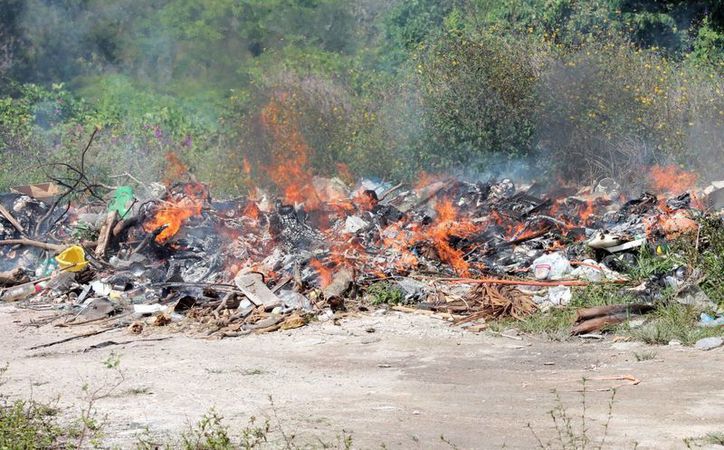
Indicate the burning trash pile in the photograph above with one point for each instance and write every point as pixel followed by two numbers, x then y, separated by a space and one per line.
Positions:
pixel 155 255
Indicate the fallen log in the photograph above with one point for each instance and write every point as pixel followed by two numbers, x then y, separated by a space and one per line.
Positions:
pixel 593 319
pixel 591 325
pixel 13 277
pixel 32 243
pixel 608 310
pixel 341 282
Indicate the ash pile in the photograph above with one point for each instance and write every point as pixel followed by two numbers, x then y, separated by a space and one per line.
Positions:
pixel 169 255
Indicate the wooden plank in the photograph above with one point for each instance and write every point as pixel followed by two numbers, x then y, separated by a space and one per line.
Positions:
pixel 253 287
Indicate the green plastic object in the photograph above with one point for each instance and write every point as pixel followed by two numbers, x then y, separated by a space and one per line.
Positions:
pixel 122 200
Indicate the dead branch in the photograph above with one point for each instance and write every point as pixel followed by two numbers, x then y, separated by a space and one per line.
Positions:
pixel 33 243
pixel 13 221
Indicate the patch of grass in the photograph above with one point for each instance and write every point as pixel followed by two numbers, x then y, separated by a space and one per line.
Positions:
pixel 29 425
pixel 649 263
pixel 600 295
pixel 707 255
pixel 554 323
pixel 385 293
pixel 645 356
pixel 716 438
pixel 670 322
pixel 212 433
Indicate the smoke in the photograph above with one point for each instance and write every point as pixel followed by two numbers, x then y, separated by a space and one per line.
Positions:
pixel 193 77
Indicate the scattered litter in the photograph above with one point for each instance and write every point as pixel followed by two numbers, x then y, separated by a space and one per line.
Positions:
pixel 705 320
pixel 551 267
pixel 466 252
pixel 555 296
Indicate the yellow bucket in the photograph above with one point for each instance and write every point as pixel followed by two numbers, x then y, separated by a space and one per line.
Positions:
pixel 72 259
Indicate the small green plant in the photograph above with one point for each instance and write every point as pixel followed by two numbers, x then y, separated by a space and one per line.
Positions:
pixel 554 323
pixel 571 432
pixel 208 434
pixel 649 263
pixel 715 438
pixel 29 424
pixel 85 232
pixel 385 293
pixel 645 356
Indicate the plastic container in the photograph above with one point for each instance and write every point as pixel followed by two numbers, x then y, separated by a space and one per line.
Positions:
pixel 551 267
pixel 72 259
pixel 17 293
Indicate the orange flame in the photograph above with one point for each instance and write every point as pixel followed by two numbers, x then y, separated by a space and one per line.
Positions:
pixel 325 274
pixel 290 170
pixel 174 214
pixel 175 211
pixel 671 179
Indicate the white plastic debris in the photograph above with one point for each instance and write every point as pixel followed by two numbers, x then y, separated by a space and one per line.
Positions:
pixel 605 239
pixel 590 270
pixel 627 246
pixel 149 309
pixel 552 266
pixel 101 288
pixel 556 296
pixel 354 224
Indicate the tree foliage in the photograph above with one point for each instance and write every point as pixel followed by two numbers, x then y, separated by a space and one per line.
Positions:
pixel 387 88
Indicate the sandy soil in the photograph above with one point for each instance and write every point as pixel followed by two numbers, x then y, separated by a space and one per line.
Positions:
pixel 396 379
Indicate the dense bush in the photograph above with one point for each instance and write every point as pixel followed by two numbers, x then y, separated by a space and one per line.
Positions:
pixel 386 89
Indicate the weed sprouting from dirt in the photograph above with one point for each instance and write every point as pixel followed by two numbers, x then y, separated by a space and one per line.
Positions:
pixel 710 439
pixel 90 425
pixel 644 356
pixel 30 424
pixel 212 432
pixel 572 433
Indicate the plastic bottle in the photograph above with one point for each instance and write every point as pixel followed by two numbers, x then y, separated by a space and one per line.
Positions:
pixel 17 293
pixel 551 267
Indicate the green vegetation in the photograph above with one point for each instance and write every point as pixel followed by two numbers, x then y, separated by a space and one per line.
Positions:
pixel 671 322
pixel 715 439
pixel 387 88
pixel 385 293
pixel 576 431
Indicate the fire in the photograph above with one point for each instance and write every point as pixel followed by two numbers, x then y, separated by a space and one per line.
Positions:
pixel 671 179
pixel 290 169
pixel 446 225
pixel 180 207
pixel 252 211
pixel 174 214
pixel 325 274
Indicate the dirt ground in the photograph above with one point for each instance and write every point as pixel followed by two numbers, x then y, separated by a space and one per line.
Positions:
pixel 394 379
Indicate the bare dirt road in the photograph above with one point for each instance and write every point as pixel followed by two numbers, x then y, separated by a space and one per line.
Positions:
pixel 396 380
